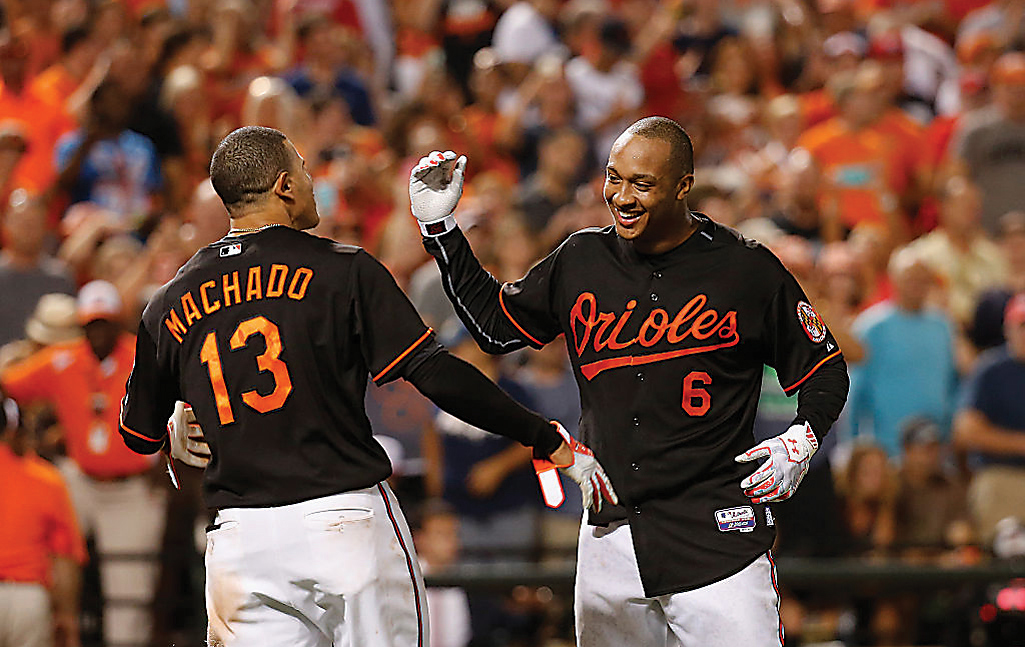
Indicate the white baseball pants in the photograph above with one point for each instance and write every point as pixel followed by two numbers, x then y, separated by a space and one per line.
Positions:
pixel 338 571
pixel 611 609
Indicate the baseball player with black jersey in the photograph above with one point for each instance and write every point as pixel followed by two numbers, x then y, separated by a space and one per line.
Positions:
pixel 669 318
pixel 270 334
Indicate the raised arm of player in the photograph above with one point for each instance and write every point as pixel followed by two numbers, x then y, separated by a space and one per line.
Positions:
pixel 501 318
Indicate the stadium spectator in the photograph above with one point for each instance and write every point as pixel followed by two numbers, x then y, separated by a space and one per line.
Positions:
pixel 991 425
pixel 84 380
pixel 41 549
pixel 108 165
pixel 990 147
pixel 324 68
pixel 606 85
pixel 987 325
pixel 908 368
pixel 958 251
pixel 855 161
pixel 561 157
pixel 930 507
pixel 27 272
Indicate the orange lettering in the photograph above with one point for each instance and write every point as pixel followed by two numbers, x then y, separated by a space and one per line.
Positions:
pixel 174 324
pixel 231 288
pixel 576 314
pixel 304 274
pixel 254 284
pixel 190 309
pixel 614 342
pixel 660 327
pixel 693 306
pixel 207 306
pixel 277 273
pixel 705 324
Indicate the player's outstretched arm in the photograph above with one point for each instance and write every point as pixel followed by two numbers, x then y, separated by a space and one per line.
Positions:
pixel 435 185
pixel 461 390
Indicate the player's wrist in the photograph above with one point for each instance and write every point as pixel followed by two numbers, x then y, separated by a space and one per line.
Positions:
pixel 438 226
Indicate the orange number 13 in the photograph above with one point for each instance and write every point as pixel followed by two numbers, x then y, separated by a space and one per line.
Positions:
pixel 268 360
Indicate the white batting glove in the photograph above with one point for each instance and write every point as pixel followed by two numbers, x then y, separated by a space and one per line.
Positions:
pixel 435 186
pixel 789 455
pixel 585 470
pixel 187 441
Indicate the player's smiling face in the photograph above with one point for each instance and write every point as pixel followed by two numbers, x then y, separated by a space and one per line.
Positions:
pixel 645 193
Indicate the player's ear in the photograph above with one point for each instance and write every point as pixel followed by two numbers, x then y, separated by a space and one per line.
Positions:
pixel 284 187
pixel 684 186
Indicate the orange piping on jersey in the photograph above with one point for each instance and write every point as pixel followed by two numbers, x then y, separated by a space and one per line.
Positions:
pixel 404 353
pixel 592 369
pixel 501 302
pixel 135 433
pixel 813 369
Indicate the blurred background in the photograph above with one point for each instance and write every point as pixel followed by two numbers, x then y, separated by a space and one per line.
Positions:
pixel 876 146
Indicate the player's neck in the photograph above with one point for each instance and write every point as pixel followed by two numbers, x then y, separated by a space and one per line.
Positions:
pixel 256 218
pixel 672 239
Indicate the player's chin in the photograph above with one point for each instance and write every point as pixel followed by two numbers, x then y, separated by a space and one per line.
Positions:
pixel 630 229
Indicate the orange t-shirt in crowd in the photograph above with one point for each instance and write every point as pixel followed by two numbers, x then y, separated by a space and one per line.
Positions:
pixel 36 519
pixel 87 395
pixel 817 106
pixel 906 136
pixel 854 165
pixel 43 125
pixel 53 86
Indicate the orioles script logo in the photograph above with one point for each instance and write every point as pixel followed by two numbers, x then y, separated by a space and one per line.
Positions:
pixel 694 322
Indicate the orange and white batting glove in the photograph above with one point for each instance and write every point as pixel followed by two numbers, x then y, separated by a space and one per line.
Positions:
pixel 188 444
pixel 435 186
pixel 789 455
pixel 585 470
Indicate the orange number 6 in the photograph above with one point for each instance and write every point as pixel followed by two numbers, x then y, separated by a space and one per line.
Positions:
pixel 696 400
pixel 268 360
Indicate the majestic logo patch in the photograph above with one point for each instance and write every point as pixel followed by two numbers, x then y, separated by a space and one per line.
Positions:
pixel 742 519
pixel 233 249
pixel 813 326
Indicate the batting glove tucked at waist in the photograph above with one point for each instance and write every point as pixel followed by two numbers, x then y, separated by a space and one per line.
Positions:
pixel 435 186
pixel 789 455
pixel 186 437
pixel 585 470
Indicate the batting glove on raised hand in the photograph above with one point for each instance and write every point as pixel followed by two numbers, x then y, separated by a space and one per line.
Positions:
pixel 584 469
pixel 789 455
pixel 435 186
pixel 187 441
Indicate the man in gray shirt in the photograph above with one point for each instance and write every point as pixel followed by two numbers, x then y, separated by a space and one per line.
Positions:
pixel 990 147
pixel 26 271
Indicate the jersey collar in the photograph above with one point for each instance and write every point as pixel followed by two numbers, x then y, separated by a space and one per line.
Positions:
pixel 702 235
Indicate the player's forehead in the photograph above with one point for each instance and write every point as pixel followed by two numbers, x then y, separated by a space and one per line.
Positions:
pixel 636 155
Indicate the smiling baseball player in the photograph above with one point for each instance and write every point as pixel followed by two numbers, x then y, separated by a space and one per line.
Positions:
pixel 271 335
pixel 669 318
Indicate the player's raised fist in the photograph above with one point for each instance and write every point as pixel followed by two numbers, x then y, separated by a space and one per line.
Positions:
pixel 435 186
pixel 187 441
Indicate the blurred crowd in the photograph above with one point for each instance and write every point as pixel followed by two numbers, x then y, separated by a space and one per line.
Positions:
pixel 876 146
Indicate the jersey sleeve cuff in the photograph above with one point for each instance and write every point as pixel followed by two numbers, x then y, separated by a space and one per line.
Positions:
pixel 438 227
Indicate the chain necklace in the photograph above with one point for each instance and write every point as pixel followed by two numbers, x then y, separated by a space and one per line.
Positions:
pixel 249 230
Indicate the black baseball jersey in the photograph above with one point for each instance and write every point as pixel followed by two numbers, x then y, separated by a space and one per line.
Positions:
pixel 668 352
pixel 270 337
